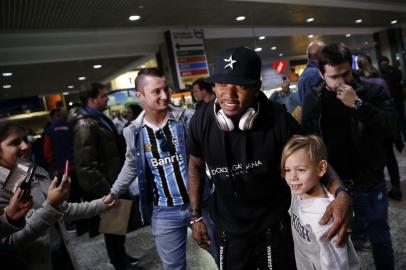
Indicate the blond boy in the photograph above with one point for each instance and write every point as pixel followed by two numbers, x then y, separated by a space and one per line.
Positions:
pixel 303 163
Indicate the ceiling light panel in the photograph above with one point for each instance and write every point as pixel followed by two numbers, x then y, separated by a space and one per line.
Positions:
pixel 134 17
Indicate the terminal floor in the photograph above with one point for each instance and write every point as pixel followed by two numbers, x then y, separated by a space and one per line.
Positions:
pixel 91 253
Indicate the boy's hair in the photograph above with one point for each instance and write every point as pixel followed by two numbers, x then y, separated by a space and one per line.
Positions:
pixel 312 144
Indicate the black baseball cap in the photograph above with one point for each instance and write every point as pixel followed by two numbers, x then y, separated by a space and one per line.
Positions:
pixel 237 66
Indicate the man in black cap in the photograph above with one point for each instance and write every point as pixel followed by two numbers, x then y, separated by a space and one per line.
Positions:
pixel 240 136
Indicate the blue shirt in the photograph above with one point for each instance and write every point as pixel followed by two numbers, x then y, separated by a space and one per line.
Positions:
pixel 308 79
pixel 167 164
pixel 101 117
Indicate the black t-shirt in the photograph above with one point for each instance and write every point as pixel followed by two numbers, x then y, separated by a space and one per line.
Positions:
pixel 336 125
pixel 254 196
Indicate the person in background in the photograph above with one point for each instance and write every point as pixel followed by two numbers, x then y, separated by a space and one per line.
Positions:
pixel 58 148
pixel 303 164
pixel 355 119
pixel 58 143
pixel 292 75
pixel 119 121
pixel 310 76
pixel 286 97
pixel 370 74
pixel 132 112
pixel 202 91
pixel 98 158
pixel 393 76
pixel 37 146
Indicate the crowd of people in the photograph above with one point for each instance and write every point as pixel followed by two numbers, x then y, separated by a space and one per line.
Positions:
pixel 257 186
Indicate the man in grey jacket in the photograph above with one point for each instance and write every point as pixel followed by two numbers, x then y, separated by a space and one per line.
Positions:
pixel 156 154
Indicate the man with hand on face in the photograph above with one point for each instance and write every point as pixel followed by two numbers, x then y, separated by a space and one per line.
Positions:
pixel 354 119
pixel 240 136
pixel 156 154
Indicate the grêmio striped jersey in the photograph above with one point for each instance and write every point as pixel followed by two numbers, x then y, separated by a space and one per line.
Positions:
pixel 166 162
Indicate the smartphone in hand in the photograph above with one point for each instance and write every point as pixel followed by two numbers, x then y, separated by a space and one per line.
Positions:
pixel 65 172
pixel 20 176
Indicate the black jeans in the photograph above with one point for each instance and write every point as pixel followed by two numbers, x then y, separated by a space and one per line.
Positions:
pixel 272 249
pixel 400 108
pixel 392 164
pixel 116 250
pixel 60 259
pixel 10 259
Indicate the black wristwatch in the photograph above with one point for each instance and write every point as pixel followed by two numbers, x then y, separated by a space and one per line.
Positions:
pixel 342 189
pixel 357 103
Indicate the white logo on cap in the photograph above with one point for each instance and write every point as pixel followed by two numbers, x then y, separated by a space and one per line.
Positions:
pixel 230 61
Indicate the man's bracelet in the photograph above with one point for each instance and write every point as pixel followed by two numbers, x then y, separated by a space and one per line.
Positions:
pixel 342 189
pixel 196 220
pixel 195 212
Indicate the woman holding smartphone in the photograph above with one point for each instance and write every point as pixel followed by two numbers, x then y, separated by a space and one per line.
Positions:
pixel 42 243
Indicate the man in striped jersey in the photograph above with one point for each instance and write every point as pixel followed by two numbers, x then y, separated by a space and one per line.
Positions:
pixel 156 154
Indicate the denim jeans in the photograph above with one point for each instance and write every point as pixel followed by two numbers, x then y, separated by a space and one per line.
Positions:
pixel 169 229
pixel 371 223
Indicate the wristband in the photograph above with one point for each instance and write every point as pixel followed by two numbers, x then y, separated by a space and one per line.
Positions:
pixel 196 220
pixel 342 189
pixel 195 212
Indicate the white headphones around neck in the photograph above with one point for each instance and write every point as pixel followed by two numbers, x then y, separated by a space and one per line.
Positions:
pixel 225 123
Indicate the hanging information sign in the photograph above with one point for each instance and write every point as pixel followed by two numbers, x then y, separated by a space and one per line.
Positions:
pixel 189 55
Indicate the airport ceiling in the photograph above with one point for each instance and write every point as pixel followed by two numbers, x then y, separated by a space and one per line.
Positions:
pixel 48 44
